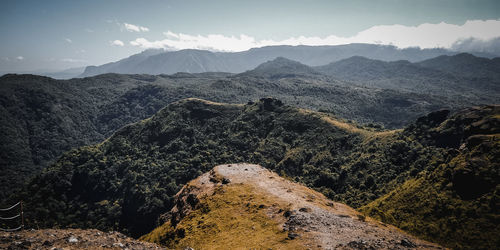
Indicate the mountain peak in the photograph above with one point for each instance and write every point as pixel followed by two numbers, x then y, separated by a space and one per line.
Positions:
pixel 281 67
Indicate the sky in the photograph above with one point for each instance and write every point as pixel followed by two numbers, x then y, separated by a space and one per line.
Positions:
pixel 52 35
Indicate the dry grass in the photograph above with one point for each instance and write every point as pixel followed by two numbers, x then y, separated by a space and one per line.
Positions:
pixel 235 217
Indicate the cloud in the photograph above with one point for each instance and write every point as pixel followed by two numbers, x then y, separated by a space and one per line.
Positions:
pixel 20 58
pixel 477 45
pixel 68 40
pixel 427 35
pixel 89 30
pixel 135 28
pixel 117 43
pixel 71 60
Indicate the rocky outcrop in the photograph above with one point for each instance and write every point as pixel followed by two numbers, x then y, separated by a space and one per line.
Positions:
pixel 452 132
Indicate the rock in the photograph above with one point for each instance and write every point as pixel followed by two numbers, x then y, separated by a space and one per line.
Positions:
pixel 225 181
pixel 305 209
pixel 119 244
pixel 47 243
pixel 72 239
pixel 287 213
pixel 407 243
pixel 292 235
pixel 360 244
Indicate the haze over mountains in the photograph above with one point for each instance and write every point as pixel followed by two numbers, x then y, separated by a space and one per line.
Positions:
pixel 196 61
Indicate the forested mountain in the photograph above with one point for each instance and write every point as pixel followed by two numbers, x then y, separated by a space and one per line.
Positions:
pixel 41 117
pixel 465 64
pixel 281 68
pixel 449 76
pixel 128 180
pixel 457 202
pixel 197 61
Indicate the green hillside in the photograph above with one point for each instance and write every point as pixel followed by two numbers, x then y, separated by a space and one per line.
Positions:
pixel 41 118
pixel 125 182
pixel 457 204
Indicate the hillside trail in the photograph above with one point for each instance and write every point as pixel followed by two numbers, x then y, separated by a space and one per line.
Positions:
pixel 316 219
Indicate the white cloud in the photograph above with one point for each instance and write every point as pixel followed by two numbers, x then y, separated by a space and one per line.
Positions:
pixel 426 35
pixel 68 40
pixel 89 30
pixel 117 43
pixel 135 28
pixel 71 60
pixel 478 45
pixel 20 58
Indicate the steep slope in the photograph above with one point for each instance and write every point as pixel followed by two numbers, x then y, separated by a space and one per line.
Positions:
pixel 457 203
pixel 125 182
pixel 247 206
pixel 196 61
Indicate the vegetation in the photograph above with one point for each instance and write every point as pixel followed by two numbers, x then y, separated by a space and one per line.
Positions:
pixel 456 77
pixel 41 117
pixel 457 203
pixel 233 217
pixel 125 182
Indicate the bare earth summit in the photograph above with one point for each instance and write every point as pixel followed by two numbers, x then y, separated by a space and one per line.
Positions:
pixel 312 218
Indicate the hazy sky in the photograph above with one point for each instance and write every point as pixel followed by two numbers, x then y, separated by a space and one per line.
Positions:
pixel 55 34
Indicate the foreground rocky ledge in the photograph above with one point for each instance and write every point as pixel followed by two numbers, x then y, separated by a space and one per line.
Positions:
pixel 70 239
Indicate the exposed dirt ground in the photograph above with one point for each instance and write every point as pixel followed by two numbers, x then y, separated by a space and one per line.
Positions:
pixel 315 219
pixel 58 239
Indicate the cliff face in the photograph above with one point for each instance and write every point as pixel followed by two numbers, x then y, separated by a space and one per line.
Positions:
pixel 244 205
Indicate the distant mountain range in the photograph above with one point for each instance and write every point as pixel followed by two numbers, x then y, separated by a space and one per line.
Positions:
pixel 461 73
pixel 196 61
